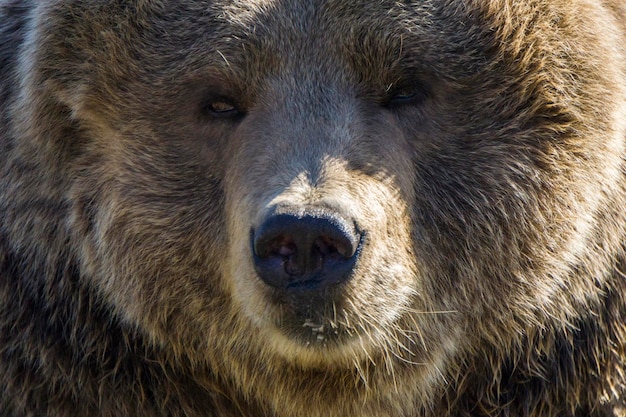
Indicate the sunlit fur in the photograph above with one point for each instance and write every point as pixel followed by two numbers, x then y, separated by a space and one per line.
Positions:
pixel 478 145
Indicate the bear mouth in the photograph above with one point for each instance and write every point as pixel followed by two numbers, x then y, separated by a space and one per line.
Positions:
pixel 306 262
pixel 313 317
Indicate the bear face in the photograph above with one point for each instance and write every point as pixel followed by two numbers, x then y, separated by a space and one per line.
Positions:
pixel 445 162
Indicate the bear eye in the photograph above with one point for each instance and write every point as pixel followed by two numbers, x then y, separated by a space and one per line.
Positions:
pixel 402 96
pixel 221 107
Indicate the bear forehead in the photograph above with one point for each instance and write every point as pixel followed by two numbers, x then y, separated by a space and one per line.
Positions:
pixel 246 41
pixel 370 34
pixel 294 29
pixel 243 42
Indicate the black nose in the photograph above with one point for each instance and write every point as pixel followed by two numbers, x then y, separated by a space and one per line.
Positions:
pixel 306 251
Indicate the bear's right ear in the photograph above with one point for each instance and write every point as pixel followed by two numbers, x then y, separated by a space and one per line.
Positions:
pixel 74 51
pixel 71 44
pixel 56 69
pixel 54 64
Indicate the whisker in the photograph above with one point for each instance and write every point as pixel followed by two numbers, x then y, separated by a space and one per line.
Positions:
pixel 411 310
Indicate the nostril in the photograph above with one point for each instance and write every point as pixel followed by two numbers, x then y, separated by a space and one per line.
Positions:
pixel 278 245
pixel 293 251
pixel 327 246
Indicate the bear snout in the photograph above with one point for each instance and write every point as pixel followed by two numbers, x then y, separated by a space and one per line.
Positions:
pixel 305 251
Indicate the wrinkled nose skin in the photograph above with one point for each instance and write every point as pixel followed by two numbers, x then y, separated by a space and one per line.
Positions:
pixel 305 252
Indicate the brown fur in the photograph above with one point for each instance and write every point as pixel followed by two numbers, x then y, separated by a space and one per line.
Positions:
pixel 480 144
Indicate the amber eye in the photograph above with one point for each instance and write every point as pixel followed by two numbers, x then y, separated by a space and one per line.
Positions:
pixel 221 107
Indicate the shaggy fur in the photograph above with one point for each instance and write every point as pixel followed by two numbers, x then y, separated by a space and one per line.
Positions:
pixel 479 145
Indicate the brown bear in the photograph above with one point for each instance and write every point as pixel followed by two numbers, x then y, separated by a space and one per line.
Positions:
pixel 312 208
